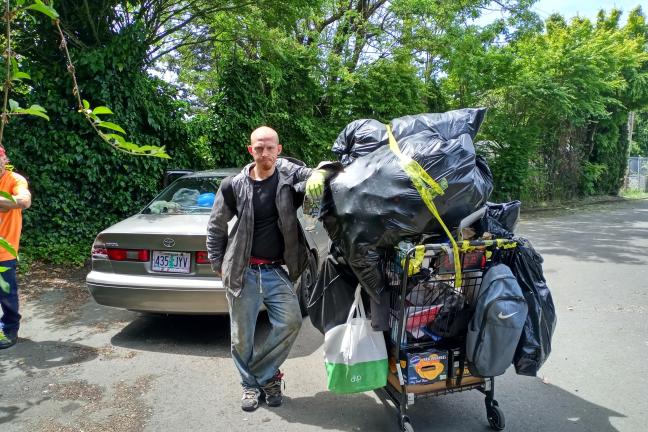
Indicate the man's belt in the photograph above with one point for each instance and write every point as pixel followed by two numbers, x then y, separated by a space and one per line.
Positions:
pixel 264 263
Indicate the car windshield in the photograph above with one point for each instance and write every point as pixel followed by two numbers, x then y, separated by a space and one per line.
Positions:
pixel 186 195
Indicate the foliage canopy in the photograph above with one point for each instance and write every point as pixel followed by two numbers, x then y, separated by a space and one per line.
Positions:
pixel 559 93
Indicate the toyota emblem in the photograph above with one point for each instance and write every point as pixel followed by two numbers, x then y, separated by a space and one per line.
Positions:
pixel 168 242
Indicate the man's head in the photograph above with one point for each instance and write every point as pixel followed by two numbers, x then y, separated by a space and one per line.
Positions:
pixel 264 147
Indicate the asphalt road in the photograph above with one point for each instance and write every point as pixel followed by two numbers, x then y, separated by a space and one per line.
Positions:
pixel 84 367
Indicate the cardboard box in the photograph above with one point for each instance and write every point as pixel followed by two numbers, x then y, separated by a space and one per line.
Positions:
pixel 392 378
pixel 426 367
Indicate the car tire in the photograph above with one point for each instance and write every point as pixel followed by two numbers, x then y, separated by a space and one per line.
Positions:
pixel 306 284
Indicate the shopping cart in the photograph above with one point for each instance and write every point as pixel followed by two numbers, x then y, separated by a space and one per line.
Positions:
pixel 430 307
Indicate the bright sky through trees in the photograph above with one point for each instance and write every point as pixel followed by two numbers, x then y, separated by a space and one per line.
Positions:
pixel 586 9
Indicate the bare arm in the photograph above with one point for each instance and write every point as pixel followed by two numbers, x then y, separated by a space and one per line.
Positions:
pixel 23 201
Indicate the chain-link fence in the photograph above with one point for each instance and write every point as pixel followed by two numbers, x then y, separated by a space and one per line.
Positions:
pixel 637 174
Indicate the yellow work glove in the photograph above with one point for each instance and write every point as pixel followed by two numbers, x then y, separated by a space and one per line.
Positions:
pixel 315 185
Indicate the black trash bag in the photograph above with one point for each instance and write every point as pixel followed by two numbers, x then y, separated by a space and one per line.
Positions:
pixel 359 138
pixel 451 320
pixel 500 219
pixel 333 294
pixel 372 204
pixel 453 317
pixel 507 214
pixel 535 343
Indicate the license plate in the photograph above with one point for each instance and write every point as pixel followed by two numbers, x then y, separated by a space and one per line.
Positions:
pixel 171 262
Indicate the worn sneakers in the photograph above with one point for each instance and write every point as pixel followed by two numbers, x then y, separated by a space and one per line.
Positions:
pixel 250 399
pixel 272 390
pixel 7 341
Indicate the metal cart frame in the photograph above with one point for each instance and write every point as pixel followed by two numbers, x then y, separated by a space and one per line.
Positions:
pixel 401 398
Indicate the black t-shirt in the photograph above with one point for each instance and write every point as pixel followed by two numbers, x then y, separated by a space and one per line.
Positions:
pixel 267 241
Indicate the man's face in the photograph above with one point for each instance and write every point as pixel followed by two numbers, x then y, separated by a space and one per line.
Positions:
pixel 264 148
pixel 2 167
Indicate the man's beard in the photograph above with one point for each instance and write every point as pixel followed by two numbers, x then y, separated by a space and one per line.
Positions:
pixel 267 164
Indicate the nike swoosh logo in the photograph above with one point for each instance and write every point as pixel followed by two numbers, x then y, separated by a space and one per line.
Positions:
pixel 502 316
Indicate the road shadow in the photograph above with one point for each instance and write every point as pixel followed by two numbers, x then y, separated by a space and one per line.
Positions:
pixel 308 341
pixel 28 355
pixel 538 408
pixel 200 335
pixel 62 308
pixel 9 412
pixel 610 233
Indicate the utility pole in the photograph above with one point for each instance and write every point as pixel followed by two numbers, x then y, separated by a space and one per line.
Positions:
pixel 631 120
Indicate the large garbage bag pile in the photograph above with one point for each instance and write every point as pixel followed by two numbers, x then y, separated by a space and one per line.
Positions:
pixel 372 204
pixel 359 138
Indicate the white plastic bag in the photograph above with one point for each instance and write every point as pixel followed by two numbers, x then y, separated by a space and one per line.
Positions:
pixel 355 355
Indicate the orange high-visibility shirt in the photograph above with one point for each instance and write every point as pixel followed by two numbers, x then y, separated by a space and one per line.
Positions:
pixel 11 221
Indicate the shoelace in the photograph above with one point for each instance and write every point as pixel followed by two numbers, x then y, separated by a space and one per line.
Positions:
pixel 274 387
pixel 250 394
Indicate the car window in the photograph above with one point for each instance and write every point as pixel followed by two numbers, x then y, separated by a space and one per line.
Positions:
pixel 186 195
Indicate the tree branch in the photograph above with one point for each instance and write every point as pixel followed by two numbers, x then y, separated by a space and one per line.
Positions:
pixel 188 43
pixel 200 13
pixel 90 21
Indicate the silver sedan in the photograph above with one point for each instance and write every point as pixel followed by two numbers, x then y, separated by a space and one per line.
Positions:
pixel 156 260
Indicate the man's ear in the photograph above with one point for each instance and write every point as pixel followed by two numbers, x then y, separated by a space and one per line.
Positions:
pixel 250 150
pixel 279 148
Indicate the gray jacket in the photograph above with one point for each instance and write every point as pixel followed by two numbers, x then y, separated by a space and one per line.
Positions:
pixel 230 254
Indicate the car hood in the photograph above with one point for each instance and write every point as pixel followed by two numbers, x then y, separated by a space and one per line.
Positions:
pixel 167 224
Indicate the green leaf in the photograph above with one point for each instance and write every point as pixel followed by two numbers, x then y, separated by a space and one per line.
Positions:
pixel 8 196
pixel 21 75
pixel 31 111
pixel 38 108
pixel 39 6
pixel 86 104
pixel 148 148
pixel 110 125
pixel 160 152
pixel 3 269
pixel 128 146
pixel 13 105
pixel 102 110
pixel 7 246
pixel 4 286
pixel 118 138
pixel 14 66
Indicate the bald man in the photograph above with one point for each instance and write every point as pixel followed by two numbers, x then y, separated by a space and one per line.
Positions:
pixel 260 259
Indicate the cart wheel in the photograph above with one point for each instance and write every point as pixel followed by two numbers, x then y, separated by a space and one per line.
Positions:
pixel 406 425
pixel 495 417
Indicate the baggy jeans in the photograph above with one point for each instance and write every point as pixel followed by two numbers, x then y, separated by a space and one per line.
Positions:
pixel 272 287
pixel 10 321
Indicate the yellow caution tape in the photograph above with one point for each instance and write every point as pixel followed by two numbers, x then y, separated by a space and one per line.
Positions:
pixel 502 243
pixel 428 189
pixel 416 261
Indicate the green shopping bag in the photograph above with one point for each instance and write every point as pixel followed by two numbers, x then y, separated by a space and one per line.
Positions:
pixel 355 355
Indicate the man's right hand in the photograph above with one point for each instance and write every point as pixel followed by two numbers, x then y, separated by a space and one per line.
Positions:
pixel 315 185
